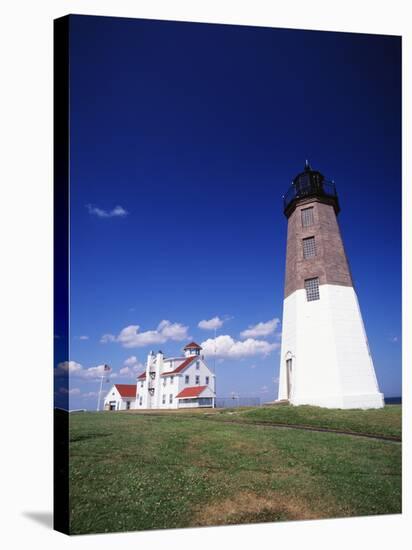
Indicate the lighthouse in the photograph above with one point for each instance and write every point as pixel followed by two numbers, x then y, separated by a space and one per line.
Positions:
pixel 325 357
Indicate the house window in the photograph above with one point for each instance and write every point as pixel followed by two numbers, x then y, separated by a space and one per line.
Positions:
pixel 140 400
pixel 197 379
pixel 187 379
pixel 307 217
pixel 309 248
pixel 312 289
pixel 171 398
pixel 164 381
pixel 171 379
pixel 197 365
pixel 164 398
pixel 141 384
pixel 207 380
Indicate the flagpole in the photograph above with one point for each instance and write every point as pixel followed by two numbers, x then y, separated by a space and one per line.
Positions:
pixel 100 393
pixel 106 370
pixel 214 367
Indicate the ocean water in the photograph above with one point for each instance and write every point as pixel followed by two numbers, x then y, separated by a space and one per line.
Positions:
pixel 393 400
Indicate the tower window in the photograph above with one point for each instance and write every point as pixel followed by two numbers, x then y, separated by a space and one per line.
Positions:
pixel 312 289
pixel 309 248
pixel 307 217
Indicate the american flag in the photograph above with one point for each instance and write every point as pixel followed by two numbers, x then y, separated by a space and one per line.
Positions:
pixel 106 370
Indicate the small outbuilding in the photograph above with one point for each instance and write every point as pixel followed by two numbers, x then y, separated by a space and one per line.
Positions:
pixel 120 397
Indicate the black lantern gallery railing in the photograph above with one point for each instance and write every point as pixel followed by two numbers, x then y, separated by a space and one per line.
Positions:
pixel 305 187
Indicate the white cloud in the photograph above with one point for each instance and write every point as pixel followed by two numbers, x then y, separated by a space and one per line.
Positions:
pixel 90 394
pixel 76 370
pixel 264 389
pixel 394 339
pixel 116 212
pixel 211 324
pixel 107 338
pixel 132 366
pixel 130 337
pixel 83 337
pixel 131 361
pixel 97 372
pixel 127 372
pixel 227 347
pixel 73 391
pixel 70 367
pixel 261 329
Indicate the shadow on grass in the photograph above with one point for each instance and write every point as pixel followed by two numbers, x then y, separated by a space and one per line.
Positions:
pixel 86 437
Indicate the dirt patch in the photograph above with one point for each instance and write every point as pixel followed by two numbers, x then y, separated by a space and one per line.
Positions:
pixel 247 507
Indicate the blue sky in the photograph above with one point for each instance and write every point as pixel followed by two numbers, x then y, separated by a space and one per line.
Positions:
pixel 184 137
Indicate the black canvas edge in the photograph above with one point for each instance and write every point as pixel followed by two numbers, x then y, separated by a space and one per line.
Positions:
pixel 61 519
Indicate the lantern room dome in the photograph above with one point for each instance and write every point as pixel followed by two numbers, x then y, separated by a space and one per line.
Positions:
pixel 307 184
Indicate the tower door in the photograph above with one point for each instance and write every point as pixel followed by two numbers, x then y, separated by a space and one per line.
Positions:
pixel 289 377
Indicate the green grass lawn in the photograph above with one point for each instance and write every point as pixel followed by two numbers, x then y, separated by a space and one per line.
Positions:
pixel 134 471
pixel 385 422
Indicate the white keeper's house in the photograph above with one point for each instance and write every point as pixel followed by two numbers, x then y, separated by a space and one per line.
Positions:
pixel 167 383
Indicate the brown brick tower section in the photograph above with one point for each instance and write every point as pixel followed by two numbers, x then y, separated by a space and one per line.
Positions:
pixel 312 210
pixel 329 262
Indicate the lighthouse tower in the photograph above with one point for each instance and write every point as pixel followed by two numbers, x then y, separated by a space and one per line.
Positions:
pixel 325 357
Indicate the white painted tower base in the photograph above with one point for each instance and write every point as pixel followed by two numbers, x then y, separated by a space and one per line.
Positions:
pixel 325 357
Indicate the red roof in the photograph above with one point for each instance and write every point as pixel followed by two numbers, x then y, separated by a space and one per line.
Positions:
pixel 126 390
pixel 178 369
pixel 194 391
pixel 192 345
pixel 182 366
